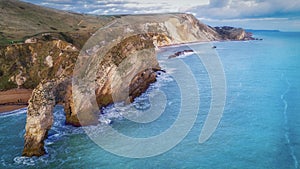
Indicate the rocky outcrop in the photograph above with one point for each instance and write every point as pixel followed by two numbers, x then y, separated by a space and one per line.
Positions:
pixel 122 70
pixel 181 53
pixel 231 33
pixel 44 49
pixel 125 72
pixel 39 117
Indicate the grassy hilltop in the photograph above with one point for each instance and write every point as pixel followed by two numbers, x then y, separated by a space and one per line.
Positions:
pixel 20 20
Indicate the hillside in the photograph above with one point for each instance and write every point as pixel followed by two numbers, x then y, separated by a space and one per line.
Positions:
pixel 38 43
pixel 40 48
pixel 20 20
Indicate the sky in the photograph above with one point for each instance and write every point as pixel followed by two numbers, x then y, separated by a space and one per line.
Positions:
pixel 281 15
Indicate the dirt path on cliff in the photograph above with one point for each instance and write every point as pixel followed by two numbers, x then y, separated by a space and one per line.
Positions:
pixel 14 99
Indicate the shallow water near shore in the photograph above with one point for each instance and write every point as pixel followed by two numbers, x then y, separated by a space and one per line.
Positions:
pixel 260 127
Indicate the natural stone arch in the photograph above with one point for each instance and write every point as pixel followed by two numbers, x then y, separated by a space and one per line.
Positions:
pixel 59 90
pixel 172 30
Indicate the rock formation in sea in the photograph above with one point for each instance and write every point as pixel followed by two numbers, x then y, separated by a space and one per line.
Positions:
pixel 181 53
pixel 45 62
pixel 138 72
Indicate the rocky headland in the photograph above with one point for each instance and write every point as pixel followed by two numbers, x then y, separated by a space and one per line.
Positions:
pixel 43 55
pixel 231 33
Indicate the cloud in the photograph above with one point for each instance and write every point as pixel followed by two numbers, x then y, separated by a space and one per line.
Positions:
pixel 218 3
pixel 214 9
pixel 120 6
pixel 283 24
pixel 230 9
pixel 210 11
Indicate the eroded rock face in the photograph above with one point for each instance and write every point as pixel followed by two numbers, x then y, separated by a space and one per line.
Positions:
pixel 40 112
pixel 123 75
pixel 39 118
pixel 69 108
pixel 125 72
pixel 124 67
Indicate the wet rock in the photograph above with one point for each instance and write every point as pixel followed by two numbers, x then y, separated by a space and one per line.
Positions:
pixel 181 53
pixel 125 73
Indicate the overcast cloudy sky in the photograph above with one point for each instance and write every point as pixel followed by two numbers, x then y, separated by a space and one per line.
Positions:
pixel 252 14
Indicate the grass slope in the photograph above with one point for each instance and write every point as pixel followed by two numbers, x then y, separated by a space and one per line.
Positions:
pixel 20 20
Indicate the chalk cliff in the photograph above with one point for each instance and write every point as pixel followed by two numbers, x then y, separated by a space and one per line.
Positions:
pixel 138 71
pixel 45 61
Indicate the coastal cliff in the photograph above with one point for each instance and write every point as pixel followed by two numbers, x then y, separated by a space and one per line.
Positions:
pixel 45 62
pixel 138 72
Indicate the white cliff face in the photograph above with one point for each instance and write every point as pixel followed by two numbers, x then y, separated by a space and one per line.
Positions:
pixel 183 32
pixel 120 76
pixel 188 29
pixel 177 29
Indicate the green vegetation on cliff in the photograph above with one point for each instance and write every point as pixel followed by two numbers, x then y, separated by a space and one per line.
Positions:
pixel 26 64
pixel 39 43
pixel 20 20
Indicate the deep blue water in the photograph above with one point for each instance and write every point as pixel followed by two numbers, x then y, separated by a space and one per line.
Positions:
pixel 260 127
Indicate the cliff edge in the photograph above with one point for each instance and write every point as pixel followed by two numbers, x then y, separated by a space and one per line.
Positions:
pixel 43 50
pixel 121 75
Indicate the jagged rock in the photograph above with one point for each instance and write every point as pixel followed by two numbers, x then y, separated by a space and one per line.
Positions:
pixel 180 53
pixel 69 107
pixel 121 76
pixel 126 72
pixel 231 33
pixel 39 118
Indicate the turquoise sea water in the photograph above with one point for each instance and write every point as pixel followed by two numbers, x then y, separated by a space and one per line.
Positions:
pixel 260 127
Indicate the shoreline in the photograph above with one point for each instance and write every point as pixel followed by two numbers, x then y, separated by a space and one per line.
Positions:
pixel 14 99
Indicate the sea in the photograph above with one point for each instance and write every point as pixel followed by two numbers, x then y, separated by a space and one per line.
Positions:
pixel 257 127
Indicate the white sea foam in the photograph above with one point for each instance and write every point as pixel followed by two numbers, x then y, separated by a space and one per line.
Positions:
pixel 287 129
pixel 59 129
pixel 118 111
pixel 25 160
pixel 13 113
pixel 113 112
